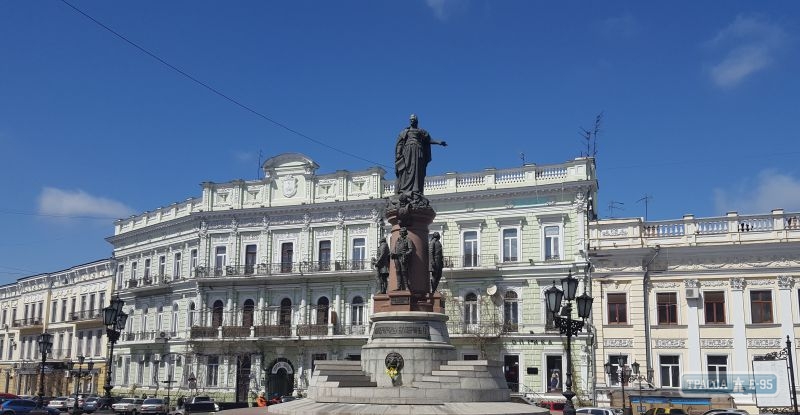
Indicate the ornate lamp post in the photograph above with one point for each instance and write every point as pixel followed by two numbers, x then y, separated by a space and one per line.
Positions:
pixel 638 376
pixel 623 373
pixel 562 318
pixel 78 378
pixel 114 319
pixel 45 346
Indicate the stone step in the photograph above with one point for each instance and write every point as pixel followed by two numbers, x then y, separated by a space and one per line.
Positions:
pixel 475 362
pixel 440 379
pixel 362 383
pixel 450 366
pixel 343 377
pixel 462 373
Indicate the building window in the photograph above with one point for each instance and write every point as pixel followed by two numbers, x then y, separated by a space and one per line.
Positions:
pixel 324 256
pixel 216 313
pixel 146 268
pixel 357 311
pixel 471 309
pixel 510 245
pixel 322 310
pixel 162 266
pixel 247 313
pixel 193 259
pixel 667 304
pixel 176 265
pixel 717 371
pixel 714 304
pixel 470 248
pixel 287 256
pixel 53 308
pixel 174 320
pixel 618 362
pixel 64 309
pixel 133 270
pixel 285 316
pixel 761 306
pixel 190 316
pixel 213 369
pixel 220 257
pixel 120 275
pixel 552 243
pixel 617 308
pixel 670 371
pixel 510 312
pixel 144 320
pixel 250 255
pixel 359 253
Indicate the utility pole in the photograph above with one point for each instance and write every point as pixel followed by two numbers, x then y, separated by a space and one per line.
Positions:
pixel 646 199
pixel 613 205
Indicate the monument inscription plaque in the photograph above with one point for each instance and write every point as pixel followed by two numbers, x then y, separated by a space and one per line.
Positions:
pixel 414 330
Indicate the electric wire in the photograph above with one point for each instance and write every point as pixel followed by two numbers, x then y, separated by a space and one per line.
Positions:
pixel 214 90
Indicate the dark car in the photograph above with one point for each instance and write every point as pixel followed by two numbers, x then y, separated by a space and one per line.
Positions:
pixel 23 407
pixel 199 408
pixel 91 404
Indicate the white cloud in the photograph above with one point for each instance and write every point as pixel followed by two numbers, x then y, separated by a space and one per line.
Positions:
pixel 769 190
pixel 443 9
pixel 748 45
pixel 77 203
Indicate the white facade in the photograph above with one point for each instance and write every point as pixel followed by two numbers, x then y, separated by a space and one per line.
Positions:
pixel 243 288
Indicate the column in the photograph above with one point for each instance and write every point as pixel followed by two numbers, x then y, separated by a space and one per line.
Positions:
pixel 785 284
pixel 695 360
pixel 740 360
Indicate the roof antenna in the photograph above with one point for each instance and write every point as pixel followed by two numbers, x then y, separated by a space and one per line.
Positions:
pixel 522 156
pixel 646 199
pixel 612 205
pixel 258 176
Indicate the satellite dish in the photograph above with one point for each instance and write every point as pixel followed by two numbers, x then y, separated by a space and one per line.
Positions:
pixel 491 290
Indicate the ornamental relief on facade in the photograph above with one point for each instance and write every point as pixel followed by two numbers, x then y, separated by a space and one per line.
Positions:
pixel 358 230
pixel 665 284
pixel 323 233
pixel 714 283
pixel 716 343
pixel 785 281
pixel 763 343
pixel 669 343
pixel 621 343
pixel 614 232
pixel 250 236
pixel 760 282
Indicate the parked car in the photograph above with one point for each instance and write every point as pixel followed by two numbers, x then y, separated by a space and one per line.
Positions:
pixel 596 411
pixel 105 403
pixel 128 406
pixel 202 399
pixel 199 408
pixel 665 411
pixel 71 402
pixel 6 396
pixel 91 404
pixel 155 406
pixel 726 411
pixel 23 407
pixel 59 403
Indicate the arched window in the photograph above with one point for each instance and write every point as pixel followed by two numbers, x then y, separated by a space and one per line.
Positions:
pixel 190 317
pixel 216 313
pixel 322 310
pixel 471 309
pixel 247 313
pixel 510 311
pixel 357 311
pixel 285 316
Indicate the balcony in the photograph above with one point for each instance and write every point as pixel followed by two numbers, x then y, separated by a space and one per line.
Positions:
pixel 312 330
pixel 730 229
pixel 27 322
pixel 470 261
pixel 282 268
pixel 86 315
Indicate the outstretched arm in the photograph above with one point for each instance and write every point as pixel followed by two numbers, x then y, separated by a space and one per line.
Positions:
pixel 441 143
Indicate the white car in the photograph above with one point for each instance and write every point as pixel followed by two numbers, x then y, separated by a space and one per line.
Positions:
pixel 596 411
pixel 59 403
pixel 128 406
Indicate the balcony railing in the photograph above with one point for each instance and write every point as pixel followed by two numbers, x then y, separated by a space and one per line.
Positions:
pixel 470 261
pixel 27 322
pixel 312 330
pixel 86 315
pixel 282 268
pixel 281 330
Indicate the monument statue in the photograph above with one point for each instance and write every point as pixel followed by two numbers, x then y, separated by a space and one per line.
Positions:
pixel 435 260
pixel 403 249
pixel 381 265
pixel 412 155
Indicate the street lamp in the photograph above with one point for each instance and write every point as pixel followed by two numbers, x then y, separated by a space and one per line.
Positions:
pixel 45 346
pixel 568 327
pixel 624 372
pixel 635 367
pixel 79 378
pixel 114 319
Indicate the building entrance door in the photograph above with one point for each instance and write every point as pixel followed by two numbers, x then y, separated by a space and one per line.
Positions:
pixel 280 381
pixel 554 375
pixel 511 369
pixel 242 378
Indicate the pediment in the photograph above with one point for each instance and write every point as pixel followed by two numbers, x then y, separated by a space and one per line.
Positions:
pixel 289 164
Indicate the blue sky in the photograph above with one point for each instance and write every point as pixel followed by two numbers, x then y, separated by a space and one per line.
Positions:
pixel 700 102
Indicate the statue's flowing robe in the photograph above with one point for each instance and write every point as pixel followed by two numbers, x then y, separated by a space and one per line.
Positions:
pixel 412 155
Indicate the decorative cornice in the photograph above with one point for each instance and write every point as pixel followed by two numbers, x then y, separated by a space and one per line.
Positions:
pixel 669 343
pixel 716 343
pixel 618 343
pixel 763 343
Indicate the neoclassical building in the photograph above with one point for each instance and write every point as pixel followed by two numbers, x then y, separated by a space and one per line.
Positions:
pixel 243 288
pixel 68 304
pixel 697 297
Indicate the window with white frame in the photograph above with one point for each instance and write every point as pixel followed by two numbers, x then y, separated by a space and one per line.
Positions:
pixel 717 371
pixel 140 372
pixel 53 307
pixel 359 253
pixel 470 253
pixel 670 368
pixel 357 311
pixel 146 268
pixel 162 266
pixel 144 320
pixel 174 321
pixel 470 309
pixel 212 368
pixel 510 245
pixel 193 259
pixel 618 363
pixel 250 258
pixel 134 265
pixel 190 316
pixel 120 275
pixel 220 257
pixel 510 312
pixel 160 318
pixel 176 265
pixel 324 255
pixel 98 337
pixel 126 373
pixel 552 243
